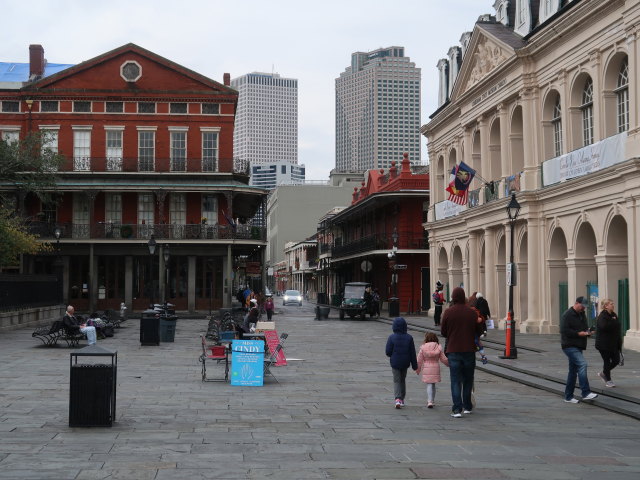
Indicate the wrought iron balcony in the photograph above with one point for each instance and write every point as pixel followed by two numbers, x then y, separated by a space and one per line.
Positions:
pixel 129 231
pixel 406 240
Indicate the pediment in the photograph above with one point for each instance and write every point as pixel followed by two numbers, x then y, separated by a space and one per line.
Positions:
pixel 156 74
pixel 486 53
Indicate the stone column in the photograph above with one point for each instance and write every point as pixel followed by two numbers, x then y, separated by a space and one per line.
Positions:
pixel 191 283
pixel 537 286
pixel 632 336
pixel 473 263
pixel 529 179
pixel 490 271
pixel 505 145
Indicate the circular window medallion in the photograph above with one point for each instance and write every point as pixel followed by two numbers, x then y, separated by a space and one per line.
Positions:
pixel 131 71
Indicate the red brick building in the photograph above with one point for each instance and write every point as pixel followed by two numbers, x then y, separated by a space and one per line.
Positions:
pixel 385 217
pixel 148 148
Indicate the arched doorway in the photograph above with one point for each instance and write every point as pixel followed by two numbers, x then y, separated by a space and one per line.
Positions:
pixel 558 277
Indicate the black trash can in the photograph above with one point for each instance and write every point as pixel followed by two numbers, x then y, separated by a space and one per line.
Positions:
pixel 92 388
pixel 168 328
pixel 394 307
pixel 149 328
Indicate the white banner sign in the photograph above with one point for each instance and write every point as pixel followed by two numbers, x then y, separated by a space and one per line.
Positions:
pixel 585 160
pixel 448 209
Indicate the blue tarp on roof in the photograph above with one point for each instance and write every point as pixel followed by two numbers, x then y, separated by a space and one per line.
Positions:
pixel 19 72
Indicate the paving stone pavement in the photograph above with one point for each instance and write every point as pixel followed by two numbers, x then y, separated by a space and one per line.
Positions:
pixel 330 416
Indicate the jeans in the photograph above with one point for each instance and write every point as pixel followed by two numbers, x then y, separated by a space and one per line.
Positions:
pixel 90 332
pixel 610 359
pixel 462 367
pixel 437 312
pixel 577 366
pixel 399 385
pixel 431 392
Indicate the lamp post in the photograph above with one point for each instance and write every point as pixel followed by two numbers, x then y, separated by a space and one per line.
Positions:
pixel 167 255
pixel 394 303
pixel 510 351
pixel 58 263
pixel 152 249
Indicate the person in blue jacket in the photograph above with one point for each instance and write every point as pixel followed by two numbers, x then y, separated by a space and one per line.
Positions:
pixel 402 354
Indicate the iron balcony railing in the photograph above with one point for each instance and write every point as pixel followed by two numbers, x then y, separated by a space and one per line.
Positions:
pixel 147 164
pixel 128 231
pixel 406 240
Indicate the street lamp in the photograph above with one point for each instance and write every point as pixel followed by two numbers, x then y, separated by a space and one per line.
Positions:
pixel 510 351
pixel 58 263
pixel 166 254
pixel 394 303
pixel 152 249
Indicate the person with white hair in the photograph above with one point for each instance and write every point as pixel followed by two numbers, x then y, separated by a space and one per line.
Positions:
pixel 73 325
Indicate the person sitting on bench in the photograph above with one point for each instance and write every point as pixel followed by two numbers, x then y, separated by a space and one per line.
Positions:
pixel 73 325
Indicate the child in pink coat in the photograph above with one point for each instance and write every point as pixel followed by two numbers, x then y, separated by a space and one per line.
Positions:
pixel 428 357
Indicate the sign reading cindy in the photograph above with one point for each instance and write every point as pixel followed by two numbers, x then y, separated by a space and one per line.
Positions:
pixel 247 363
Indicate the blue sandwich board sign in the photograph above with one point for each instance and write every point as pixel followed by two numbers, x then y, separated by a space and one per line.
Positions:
pixel 247 363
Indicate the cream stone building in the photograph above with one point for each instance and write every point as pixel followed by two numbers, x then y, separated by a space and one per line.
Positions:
pixel 541 99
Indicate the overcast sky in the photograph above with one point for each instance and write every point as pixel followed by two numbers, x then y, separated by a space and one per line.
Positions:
pixel 308 40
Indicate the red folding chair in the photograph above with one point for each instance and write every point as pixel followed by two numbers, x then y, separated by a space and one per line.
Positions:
pixel 217 354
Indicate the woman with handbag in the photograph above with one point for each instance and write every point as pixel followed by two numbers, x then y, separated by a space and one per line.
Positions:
pixel 608 340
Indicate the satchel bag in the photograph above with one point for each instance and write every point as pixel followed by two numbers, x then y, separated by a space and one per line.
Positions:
pixel 490 324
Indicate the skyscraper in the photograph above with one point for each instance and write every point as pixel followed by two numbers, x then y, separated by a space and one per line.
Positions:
pixel 377 110
pixel 266 130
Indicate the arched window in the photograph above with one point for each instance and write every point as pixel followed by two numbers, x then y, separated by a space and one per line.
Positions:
pixel 587 113
pixel 622 94
pixel 556 121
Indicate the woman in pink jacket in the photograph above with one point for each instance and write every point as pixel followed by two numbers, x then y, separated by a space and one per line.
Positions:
pixel 428 357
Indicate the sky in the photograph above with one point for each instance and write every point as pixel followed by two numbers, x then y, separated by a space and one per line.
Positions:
pixel 310 41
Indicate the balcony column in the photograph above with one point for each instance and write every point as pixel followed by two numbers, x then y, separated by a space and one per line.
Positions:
pixel 161 196
pixel 128 282
pixel 227 272
pixel 93 279
pixel 229 197
pixel 191 283
pixel 91 196
pixel 484 166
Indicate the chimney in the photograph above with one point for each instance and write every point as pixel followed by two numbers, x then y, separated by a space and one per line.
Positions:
pixel 227 79
pixel 36 61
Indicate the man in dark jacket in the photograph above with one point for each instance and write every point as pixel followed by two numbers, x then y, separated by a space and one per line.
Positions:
pixel 573 339
pixel 401 352
pixel 460 327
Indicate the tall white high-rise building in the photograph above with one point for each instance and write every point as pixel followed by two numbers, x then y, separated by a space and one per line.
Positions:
pixel 266 130
pixel 377 110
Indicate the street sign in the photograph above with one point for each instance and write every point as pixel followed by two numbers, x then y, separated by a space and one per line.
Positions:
pixel 400 267
pixel 511 275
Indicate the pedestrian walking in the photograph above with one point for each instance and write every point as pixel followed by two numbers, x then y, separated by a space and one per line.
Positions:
pixel 483 307
pixel 438 301
pixel 460 327
pixel 573 338
pixel 269 307
pixel 402 353
pixel 608 340
pixel 429 356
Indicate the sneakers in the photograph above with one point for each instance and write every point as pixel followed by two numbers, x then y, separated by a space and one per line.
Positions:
pixel 601 375
pixel 466 412
pixel 610 384
pixel 572 400
pixel 398 403
pixel 430 405
pixel 484 359
pixel 456 415
pixel 591 396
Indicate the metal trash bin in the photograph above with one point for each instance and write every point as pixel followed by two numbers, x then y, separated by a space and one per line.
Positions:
pixel 92 387
pixel 394 307
pixel 149 328
pixel 168 328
